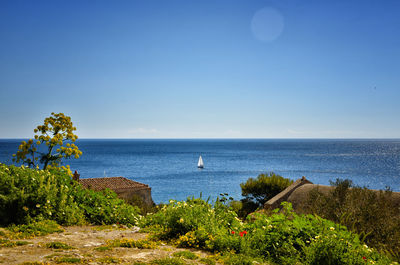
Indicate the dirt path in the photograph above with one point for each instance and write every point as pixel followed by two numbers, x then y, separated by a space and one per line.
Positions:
pixel 85 240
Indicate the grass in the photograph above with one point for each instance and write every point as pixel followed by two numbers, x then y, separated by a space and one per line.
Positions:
pixel 207 261
pixel 103 248
pixel 8 243
pixel 58 245
pixel 130 243
pixel 186 254
pixel 34 229
pixel 68 260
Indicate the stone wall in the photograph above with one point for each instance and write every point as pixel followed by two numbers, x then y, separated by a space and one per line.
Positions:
pixel 128 193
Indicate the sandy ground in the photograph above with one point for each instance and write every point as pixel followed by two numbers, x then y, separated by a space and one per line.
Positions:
pixel 84 240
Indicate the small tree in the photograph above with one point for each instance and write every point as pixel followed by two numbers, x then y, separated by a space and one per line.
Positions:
pixel 57 134
pixel 258 191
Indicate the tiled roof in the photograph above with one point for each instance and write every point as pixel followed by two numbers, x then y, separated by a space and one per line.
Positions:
pixel 113 183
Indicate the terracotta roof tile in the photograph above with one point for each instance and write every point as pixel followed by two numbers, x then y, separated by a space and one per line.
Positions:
pixel 113 183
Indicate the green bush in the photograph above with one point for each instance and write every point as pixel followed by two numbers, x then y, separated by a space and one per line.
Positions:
pixel 28 195
pixel 283 237
pixel 176 219
pixel 375 216
pixel 33 229
pixel 258 191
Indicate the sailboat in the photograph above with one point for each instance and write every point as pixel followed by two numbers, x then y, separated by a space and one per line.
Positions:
pixel 200 164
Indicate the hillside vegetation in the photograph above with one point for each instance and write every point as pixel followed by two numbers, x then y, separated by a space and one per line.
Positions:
pixel 28 195
pixel 33 202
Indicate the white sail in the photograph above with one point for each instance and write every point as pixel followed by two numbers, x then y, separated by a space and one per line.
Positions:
pixel 200 164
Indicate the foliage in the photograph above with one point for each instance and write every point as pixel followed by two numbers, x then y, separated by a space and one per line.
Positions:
pixel 193 222
pixel 258 191
pixel 282 237
pixel 34 229
pixel 9 243
pixel 28 195
pixel 374 215
pixel 56 131
pixel 167 261
pixel 239 259
pixel 185 254
pixel 68 260
pixel 58 245
pixel 207 261
pixel 103 248
pixel 130 243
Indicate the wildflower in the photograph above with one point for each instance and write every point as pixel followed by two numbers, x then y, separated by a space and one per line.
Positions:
pixel 331 228
pixel 181 220
pixel 243 233
pixel 25 208
pixel 364 258
pixel 232 232
pixel 37 205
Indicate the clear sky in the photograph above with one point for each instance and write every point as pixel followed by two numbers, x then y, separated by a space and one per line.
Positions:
pixel 202 69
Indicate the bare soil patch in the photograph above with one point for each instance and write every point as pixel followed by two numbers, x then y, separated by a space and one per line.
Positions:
pixel 84 240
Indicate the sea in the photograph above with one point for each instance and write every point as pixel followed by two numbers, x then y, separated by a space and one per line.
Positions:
pixel 169 167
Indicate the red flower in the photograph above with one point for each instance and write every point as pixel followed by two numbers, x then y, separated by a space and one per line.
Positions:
pixel 241 234
pixel 233 232
pixel 245 232
pixel 364 258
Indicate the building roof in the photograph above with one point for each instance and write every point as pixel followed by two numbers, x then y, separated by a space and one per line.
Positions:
pixel 112 183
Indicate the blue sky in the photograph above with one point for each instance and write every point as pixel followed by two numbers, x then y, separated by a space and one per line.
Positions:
pixel 202 69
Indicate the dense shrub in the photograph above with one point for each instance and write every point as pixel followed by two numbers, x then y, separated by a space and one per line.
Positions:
pixel 258 191
pixel 193 222
pixel 282 237
pixel 375 216
pixel 29 195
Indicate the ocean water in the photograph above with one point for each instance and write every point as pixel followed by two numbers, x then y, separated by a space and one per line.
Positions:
pixel 170 166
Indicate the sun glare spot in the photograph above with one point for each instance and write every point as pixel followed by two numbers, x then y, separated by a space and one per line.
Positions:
pixel 267 24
